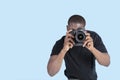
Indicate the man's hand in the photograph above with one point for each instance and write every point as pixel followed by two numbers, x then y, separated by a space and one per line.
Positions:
pixel 88 43
pixel 55 61
pixel 68 41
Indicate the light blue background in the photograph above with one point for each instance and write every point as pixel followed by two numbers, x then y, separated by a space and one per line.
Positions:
pixel 29 29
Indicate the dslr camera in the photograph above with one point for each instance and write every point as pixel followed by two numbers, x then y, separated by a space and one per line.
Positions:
pixel 79 36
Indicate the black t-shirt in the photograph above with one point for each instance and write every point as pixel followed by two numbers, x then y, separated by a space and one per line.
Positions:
pixel 79 61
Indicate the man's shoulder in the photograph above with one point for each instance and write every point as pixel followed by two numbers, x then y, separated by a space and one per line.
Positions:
pixel 92 32
pixel 61 39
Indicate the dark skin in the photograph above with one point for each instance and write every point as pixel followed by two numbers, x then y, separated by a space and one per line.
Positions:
pixel 55 61
pixel 88 43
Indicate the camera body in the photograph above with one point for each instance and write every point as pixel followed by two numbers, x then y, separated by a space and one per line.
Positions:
pixel 79 36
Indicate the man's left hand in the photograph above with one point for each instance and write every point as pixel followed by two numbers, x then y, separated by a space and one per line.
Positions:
pixel 88 43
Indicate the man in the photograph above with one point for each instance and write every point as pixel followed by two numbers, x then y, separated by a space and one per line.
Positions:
pixel 79 60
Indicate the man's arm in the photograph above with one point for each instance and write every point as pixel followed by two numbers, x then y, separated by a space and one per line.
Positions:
pixel 55 61
pixel 102 58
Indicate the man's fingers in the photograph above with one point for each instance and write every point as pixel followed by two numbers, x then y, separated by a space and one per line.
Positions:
pixel 86 42
pixel 89 38
pixel 68 31
pixel 87 34
pixel 69 36
pixel 70 45
pixel 88 45
pixel 70 40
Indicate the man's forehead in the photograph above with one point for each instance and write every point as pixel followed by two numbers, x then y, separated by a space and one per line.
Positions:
pixel 76 24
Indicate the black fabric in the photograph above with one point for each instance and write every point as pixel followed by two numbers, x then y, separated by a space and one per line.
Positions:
pixel 79 61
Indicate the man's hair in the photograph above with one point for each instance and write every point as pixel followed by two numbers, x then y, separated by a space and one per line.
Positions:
pixel 77 19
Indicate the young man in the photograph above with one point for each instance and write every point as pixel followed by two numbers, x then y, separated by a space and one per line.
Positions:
pixel 79 60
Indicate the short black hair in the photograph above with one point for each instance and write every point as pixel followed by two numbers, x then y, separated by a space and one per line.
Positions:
pixel 77 19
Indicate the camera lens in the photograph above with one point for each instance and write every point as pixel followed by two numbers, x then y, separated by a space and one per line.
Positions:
pixel 80 36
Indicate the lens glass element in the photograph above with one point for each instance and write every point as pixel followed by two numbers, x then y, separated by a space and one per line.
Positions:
pixel 80 36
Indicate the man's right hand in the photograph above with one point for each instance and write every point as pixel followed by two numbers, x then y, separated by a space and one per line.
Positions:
pixel 68 41
pixel 55 61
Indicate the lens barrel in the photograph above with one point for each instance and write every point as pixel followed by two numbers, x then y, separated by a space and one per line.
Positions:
pixel 79 35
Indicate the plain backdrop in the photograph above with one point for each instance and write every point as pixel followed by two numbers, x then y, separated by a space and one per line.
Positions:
pixel 30 28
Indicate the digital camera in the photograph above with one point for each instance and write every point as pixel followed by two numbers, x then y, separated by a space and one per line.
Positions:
pixel 79 36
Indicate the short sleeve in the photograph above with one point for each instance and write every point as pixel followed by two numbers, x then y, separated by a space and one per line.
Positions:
pixel 57 47
pixel 98 43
